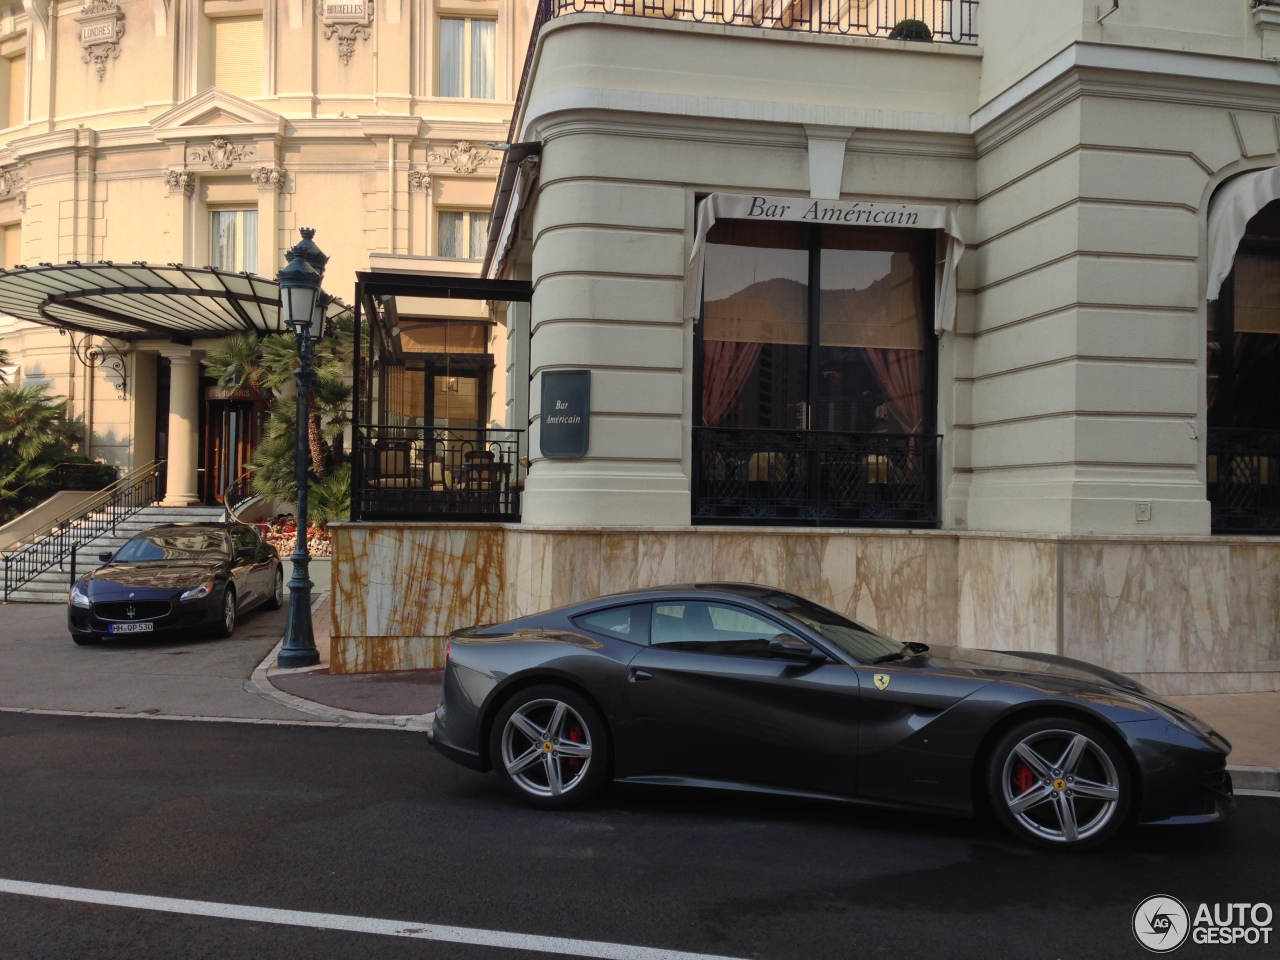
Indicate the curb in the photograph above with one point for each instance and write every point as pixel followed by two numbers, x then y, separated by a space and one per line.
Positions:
pixel 260 684
pixel 1255 781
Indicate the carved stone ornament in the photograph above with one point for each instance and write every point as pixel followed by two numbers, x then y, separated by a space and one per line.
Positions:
pixel 463 157
pixel 13 184
pixel 268 177
pixel 180 181
pixel 101 27
pixel 220 154
pixel 348 20
pixel 419 181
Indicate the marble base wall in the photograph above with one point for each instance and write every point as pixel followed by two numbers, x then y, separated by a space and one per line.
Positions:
pixel 1184 615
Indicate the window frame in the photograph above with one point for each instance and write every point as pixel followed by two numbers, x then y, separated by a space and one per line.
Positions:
pixel 465 232
pixel 238 257
pixel 467 47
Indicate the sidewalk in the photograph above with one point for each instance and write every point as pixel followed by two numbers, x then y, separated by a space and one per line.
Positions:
pixel 408 698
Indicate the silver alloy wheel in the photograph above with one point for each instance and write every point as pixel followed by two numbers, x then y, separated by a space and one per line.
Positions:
pixel 546 747
pixel 229 611
pixel 1060 785
pixel 279 597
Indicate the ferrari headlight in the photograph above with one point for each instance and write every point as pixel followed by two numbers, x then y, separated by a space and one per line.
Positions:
pixel 78 597
pixel 198 593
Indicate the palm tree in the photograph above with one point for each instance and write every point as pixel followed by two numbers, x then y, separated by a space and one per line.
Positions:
pixel 4 362
pixel 236 361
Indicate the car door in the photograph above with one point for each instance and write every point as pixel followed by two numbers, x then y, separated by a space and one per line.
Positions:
pixel 705 700
pixel 246 571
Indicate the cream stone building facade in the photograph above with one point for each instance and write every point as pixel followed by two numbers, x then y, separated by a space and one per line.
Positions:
pixel 963 353
pixel 207 132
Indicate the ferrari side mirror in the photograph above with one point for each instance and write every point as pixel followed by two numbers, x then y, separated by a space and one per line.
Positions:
pixel 785 645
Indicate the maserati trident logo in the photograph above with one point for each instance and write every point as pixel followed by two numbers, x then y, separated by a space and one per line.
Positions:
pixel 130 612
pixel 1161 924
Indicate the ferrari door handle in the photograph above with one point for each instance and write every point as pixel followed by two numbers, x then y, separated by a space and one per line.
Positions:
pixel 635 675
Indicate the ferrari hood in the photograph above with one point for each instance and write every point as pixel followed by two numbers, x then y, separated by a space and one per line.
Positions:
pixel 1001 664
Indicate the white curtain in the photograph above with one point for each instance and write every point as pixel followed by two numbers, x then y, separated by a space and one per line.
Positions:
pixel 479 235
pixel 482 45
pixel 449 234
pixel 452 56
pixel 249 230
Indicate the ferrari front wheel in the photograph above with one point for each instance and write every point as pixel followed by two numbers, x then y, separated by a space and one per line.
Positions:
pixel 550 748
pixel 1059 783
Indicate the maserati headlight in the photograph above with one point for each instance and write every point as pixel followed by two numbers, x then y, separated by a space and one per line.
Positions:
pixel 78 597
pixel 198 593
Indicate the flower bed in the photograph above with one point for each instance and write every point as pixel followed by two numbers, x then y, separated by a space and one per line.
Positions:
pixel 282 533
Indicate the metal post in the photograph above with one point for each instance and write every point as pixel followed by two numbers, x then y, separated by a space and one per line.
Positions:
pixel 299 649
pixel 75 546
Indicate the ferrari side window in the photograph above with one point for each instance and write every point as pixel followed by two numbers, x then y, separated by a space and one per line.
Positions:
pixel 626 623
pixel 717 628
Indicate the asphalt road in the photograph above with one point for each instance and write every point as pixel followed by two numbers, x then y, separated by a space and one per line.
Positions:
pixel 40 667
pixel 374 824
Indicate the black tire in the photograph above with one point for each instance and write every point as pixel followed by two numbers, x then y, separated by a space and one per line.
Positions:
pixel 276 600
pixel 86 639
pixel 1059 784
pixel 227 625
pixel 578 751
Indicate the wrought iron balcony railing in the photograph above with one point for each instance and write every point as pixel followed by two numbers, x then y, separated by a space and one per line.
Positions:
pixel 1244 480
pixel 436 473
pixel 937 21
pixel 814 477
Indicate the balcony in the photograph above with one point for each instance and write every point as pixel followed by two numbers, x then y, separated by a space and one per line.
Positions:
pixel 811 477
pixel 437 473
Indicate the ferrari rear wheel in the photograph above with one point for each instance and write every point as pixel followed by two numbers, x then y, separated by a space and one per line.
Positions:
pixel 550 747
pixel 1059 783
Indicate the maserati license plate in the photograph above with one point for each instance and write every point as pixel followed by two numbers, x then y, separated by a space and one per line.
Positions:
pixel 132 627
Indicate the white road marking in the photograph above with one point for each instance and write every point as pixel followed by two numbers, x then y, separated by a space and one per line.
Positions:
pixel 562 946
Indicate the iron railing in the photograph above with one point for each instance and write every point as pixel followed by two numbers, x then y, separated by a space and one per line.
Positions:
pixel 92 519
pixel 938 21
pixel 237 493
pixel 1244 480
pixel 814 477
pixel 437 473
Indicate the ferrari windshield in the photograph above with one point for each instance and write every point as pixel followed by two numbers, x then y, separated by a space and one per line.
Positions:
pixel 174 545
pixel 861 643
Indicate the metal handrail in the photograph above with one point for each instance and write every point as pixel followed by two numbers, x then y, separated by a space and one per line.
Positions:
pixel 239 491
pixel 114 503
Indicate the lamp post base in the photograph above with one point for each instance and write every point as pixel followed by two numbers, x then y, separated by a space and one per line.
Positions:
pixel 299 647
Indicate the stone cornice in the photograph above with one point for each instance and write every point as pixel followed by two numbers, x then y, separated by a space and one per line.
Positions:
pixel 402 128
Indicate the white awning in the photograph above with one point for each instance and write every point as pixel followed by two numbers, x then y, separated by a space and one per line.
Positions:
pixel 860 213
pixel 1230 211
pixel 139 301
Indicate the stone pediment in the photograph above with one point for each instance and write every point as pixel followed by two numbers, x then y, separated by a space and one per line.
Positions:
pixel 216 112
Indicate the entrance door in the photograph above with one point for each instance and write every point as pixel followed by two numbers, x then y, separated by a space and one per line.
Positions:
pixel 232 435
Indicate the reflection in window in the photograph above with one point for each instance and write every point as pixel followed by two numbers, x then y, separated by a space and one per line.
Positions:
pixel 761 367
pixel 718 628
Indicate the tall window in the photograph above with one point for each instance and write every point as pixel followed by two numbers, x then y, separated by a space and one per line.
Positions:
pixel 10 245
pixel 462 234
pixel 13 75
pixel 234 245
pixel 467 57
pixel 856 363
pixel 237 55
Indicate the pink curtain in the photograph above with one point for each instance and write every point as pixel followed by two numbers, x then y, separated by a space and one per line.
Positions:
pixel 898 372
pixel 725 369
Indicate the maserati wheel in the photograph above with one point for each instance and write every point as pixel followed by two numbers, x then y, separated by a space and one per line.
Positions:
pixel 550 747
pixel 277 591
pixel 1059 783
pixel 227 625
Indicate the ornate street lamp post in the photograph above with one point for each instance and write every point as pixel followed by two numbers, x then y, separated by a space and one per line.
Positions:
pixel 303 305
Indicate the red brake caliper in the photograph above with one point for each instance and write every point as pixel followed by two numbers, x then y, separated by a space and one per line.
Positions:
pixel 1023 778
pixel 576 735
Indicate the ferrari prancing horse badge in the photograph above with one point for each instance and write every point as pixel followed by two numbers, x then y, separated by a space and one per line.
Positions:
pixel 881 680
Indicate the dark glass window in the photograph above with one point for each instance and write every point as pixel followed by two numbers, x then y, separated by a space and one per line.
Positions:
pixel 626 623
pixel 718 628
pixel 853 359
